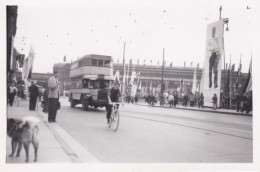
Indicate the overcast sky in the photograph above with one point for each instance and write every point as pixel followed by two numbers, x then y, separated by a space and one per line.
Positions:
pixel 147 26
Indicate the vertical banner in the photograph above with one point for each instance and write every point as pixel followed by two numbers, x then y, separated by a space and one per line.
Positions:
pixel 212 63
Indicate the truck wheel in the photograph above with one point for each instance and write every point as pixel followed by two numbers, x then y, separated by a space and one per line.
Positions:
pixel 72 103
pixel 85 105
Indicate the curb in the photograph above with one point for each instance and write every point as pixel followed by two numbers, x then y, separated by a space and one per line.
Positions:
pixel 76 152
pixel 203 110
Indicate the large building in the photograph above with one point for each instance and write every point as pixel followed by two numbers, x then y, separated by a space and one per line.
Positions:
pixel 152 75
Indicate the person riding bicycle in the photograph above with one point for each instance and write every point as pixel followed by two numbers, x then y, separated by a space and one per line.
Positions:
pixel 113 96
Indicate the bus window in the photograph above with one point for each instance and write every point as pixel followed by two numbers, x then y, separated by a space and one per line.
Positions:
pixel 94 84
pixel 104 84
pixel 107 63
pixel 100 63
pixel 94 62
pixel 85 83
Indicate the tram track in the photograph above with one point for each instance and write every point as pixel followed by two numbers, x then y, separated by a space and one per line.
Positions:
pixel 194 127
pixel 233 124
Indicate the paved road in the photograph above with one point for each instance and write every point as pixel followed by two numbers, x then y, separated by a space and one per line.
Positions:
pixel 160 135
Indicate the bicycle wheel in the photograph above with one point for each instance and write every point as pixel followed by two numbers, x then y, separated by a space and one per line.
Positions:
pixel 115 123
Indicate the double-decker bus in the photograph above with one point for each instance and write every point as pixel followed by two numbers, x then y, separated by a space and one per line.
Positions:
pixel 91 76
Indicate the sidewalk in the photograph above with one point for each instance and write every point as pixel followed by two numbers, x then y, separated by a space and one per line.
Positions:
pixel 204 109
pixel 55 143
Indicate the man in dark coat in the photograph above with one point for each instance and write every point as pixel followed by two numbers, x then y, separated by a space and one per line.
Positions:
pixel 34 92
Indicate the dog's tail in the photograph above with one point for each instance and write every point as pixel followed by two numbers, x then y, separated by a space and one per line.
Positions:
pixel 29 122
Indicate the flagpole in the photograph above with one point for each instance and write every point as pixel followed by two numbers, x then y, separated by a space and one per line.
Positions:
pixel 123 78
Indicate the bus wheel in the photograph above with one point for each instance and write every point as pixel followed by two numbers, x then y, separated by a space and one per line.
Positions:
pixel 85 104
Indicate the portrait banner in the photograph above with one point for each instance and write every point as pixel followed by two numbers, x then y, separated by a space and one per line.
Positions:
pixel 212 63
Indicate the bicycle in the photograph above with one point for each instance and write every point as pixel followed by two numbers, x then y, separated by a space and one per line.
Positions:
pixel 114 118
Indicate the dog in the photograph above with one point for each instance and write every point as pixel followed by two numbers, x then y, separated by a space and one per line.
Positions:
pixel 23 132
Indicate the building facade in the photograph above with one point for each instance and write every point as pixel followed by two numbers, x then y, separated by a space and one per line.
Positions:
pixel 151 76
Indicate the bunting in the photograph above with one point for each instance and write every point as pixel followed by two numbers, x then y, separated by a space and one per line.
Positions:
pixel 248 85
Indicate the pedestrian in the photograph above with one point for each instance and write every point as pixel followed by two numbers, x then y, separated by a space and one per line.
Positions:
pixel 201 100
pixel 171 99
pixel 53 86
pixel 185 100
pixel 215 100
pixel 46 100
pixel 34 93
pixel 191 99
pixel 176 99
pixel 13 91
pixel 238 101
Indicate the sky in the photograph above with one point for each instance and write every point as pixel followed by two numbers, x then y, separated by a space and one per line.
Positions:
pixel 77 28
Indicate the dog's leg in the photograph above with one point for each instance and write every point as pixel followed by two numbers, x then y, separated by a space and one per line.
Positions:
pixel 35 145
pixel 26 147
pixel 19 149
pixel 14 145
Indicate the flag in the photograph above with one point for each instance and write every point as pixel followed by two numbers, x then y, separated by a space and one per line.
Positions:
pixel 248 85
pixel 133 75
pixel 140 86
pixel 116 80
pixel 227 83
pixel 194 85
pixel 28 65
pixel 238 76
pixel 64 59
pixel 233 67
pixel 13 56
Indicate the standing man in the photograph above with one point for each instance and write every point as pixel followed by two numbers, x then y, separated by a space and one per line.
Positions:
pixel 12 93
pixel 53 85
pixel 34 92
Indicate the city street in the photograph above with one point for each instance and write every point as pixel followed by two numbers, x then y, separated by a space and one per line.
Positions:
pixel 160 135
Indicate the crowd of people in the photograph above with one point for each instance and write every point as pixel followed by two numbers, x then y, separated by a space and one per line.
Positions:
pixel 173 100
pixel 48 98
pixel 243 101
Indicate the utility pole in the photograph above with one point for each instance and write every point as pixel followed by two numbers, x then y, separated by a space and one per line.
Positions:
pixel 162 84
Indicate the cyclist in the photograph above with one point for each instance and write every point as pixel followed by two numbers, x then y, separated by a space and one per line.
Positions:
pixel 113 96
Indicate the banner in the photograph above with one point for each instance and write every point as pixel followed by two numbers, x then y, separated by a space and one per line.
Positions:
pixel 212 63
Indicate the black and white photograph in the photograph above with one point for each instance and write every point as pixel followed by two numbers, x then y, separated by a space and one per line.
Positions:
pixel 130 84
